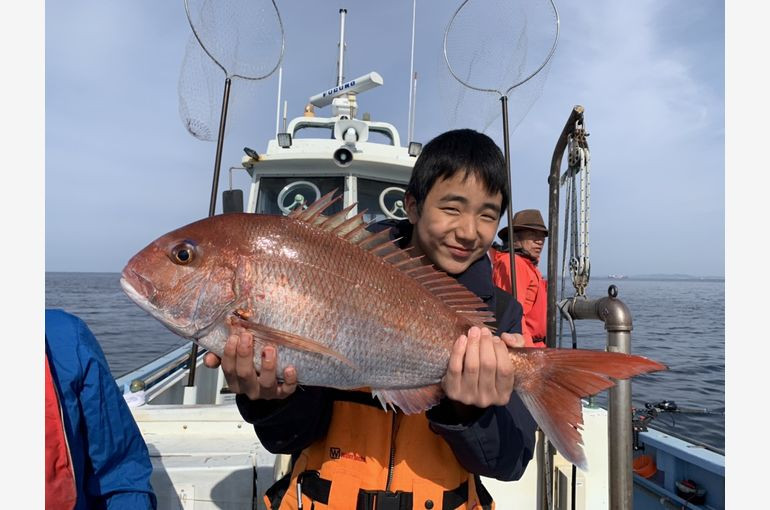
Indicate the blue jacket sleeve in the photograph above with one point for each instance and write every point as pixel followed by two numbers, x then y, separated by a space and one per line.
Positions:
pixel 118 453
pixel 117 466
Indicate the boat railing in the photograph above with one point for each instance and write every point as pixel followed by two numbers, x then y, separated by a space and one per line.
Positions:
pixel 145 377
pixel 383 128
pixel 618 324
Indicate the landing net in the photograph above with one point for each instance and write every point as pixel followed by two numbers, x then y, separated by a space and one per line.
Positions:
pixel 495 48
pixel 240 38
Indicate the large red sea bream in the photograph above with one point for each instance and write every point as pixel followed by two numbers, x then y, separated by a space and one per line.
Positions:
pixel 349 309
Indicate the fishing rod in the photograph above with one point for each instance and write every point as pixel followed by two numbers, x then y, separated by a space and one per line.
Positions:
pixel 669 406
pixel 651 411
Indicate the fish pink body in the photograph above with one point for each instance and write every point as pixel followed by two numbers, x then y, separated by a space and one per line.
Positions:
pixel 348 309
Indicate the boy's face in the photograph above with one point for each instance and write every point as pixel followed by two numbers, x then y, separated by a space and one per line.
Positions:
pixel 457 223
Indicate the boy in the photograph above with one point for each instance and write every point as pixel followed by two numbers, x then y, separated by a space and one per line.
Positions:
pixel 347 451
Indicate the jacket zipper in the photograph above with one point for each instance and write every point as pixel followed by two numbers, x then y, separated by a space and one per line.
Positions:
pixel 392 451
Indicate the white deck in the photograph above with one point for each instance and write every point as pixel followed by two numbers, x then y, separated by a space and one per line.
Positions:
pixel 204 457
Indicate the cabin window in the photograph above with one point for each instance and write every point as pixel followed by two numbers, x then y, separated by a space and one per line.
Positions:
pixel 280 195
pixel 377 197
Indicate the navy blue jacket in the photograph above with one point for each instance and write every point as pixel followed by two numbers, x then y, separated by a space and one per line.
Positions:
pixel 498 443
pixel 110 459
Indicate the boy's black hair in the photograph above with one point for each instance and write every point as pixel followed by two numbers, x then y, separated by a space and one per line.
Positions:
pixel 463 150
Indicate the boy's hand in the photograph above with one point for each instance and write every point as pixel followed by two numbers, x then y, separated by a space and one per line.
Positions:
pixel 480 371
pixel 513 339
pixel 238 366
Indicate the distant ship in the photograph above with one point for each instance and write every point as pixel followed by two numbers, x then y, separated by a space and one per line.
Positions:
pixel 617 277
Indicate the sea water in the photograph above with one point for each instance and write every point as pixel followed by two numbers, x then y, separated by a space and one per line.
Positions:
pixel 680 323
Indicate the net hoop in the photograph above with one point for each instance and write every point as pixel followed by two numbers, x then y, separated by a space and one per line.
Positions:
pixel 508 91
pixel 224 70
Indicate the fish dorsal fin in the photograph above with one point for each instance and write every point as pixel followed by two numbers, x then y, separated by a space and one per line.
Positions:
pixel 452 293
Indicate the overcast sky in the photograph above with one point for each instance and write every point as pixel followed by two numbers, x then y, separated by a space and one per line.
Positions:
pixel 121 169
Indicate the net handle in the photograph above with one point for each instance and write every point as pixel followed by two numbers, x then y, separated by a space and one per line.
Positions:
pixel 197 37
pixel 480 89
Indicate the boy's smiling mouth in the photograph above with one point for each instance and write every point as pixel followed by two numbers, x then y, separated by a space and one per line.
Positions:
pixel 459 251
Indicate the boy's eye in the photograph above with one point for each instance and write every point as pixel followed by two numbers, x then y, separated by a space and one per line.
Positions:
pixel 451 210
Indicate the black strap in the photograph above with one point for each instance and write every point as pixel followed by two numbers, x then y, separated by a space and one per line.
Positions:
pixel 276 491
pixel 456 497
pixel 315 487
pixel 459 496
pixel 384 500
pixel 452 499
pixel 485 498
pixel 318 489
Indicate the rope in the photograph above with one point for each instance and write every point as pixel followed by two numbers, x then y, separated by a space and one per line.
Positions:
pixel 576 221
pixel 568 199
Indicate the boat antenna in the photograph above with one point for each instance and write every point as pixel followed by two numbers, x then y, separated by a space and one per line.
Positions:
pixel 497 32
pixel 243 45
pixel 341 56
pixel 412 78
pixel 413 107
pixel 278 104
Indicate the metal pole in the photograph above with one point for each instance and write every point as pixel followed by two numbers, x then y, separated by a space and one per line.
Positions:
pixel 545 456
pixel 341 57
pixel 213 201
pixel 619 415
pixel 412 76
pixel 278 103
pixel 220 143
pixel 618 323
pixel 553 223
pixel 506 146
pixel 413 108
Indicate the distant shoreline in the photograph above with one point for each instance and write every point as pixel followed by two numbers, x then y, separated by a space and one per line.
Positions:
pixel 661 278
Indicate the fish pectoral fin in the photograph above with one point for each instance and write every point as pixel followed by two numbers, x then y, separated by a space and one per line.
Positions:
pixel 410 400
pixel 292 341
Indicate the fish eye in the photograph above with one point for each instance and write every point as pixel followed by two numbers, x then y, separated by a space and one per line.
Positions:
pixel 183 254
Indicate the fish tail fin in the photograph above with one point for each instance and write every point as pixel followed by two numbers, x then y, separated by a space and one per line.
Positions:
pixel 562 377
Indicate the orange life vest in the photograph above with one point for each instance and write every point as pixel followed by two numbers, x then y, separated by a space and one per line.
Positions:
pixel 60 490
pixel 530 292
pixel 370 455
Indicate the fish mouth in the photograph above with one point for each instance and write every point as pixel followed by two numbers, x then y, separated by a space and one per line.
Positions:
pixel 137 286
pixel 141 291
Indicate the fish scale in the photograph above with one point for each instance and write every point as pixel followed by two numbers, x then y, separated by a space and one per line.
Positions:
pixel 349 309
pixel 338 302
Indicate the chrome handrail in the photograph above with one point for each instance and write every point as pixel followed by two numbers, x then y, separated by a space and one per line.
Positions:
pixel 143 383
pixel 618 324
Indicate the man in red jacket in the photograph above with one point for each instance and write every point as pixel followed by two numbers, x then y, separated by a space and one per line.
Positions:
pixel 529 237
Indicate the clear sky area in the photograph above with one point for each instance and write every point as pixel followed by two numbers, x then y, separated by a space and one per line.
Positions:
pixel 121 169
